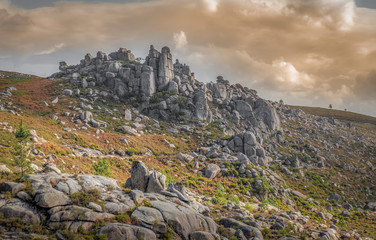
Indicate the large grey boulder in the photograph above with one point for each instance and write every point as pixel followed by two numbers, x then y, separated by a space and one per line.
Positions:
pixel 100 183
pixel 156 182
pixel 125 73
pixel 129 130
pixel 165 68
pixel 122 54
pixel 12 187
pixel 128 115
pixel 201 104
pixel 51 167
pixel 246 229
pixel 212 170
pixel 74 217
pixel 88 59
pixel 299 194
pixel 329 234
pixel 116 231
pixel 120 87
pixel 68 186
pixel 67 92
pixel 86 116
pixel 17 209
pixel 184 157
pixel 35 138
pixel 139 176
pixel 4 169
pixel 119 207
pixel 266 112
pixel 114 67
pixel 152 59
pixel 180 190
pixel 336 197
pixel 51 198
pixel 62 66
pixel 150 218
pixel 244 109
pixel 219 89
pixel 147 84
pixel 145 180
pixel 371 206
pixel 173 87
pixel 249 139
pixel 137 195
pixel 199 235
pixel 183 219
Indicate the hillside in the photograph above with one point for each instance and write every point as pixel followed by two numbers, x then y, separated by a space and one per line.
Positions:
pixel 338 114
pixel 126 150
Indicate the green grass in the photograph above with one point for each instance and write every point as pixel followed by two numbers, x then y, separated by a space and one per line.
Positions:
pixel 337 114
pixel 12 78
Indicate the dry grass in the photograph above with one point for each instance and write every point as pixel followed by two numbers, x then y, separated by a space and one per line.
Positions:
pixel 338 114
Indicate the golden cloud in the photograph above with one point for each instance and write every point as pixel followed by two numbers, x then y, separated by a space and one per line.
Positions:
pixel 312 52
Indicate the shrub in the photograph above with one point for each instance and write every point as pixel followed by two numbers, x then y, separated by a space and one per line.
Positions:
pixel 147 204
pixel 182 101
pixel 22 149
pixel 266 232
pixel 230 121
pixel 131 151
pixel 221 191
pixel 84 198
pixel 234 198
pixel 102 168
pixel 123 218
pixel 249 207
pixel 226 137
pixel 220 196
pixel 264 205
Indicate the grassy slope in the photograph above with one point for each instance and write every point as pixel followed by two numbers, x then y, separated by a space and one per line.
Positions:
pixel 352 182
pixel 32 90
pixel 338 114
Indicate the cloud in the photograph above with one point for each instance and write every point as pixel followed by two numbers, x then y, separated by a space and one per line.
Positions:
pixel 51 49
pixel 305 52
pixel 365 86
pixel 287 74
pixel 211 5
pixel 180 40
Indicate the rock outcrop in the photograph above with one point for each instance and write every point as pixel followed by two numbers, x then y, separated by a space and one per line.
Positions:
pixel 145 180
pixel 167 91
pixel 57 198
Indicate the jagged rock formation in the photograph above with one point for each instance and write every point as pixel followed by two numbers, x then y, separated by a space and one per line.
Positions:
pixel 167 91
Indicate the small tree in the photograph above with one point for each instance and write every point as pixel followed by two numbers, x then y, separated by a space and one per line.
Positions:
pixel 102 168
pixel 22 148
pixel 330 106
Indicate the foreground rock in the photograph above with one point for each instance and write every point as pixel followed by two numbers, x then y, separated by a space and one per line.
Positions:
pixel 115 231
pixel 79 202
pixel 248 231
pixel 145 180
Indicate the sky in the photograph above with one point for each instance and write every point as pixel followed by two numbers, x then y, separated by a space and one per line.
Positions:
pixel 305 52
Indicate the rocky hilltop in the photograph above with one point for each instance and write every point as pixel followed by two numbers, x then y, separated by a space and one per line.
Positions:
pixel 166 91
pixel 124 149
